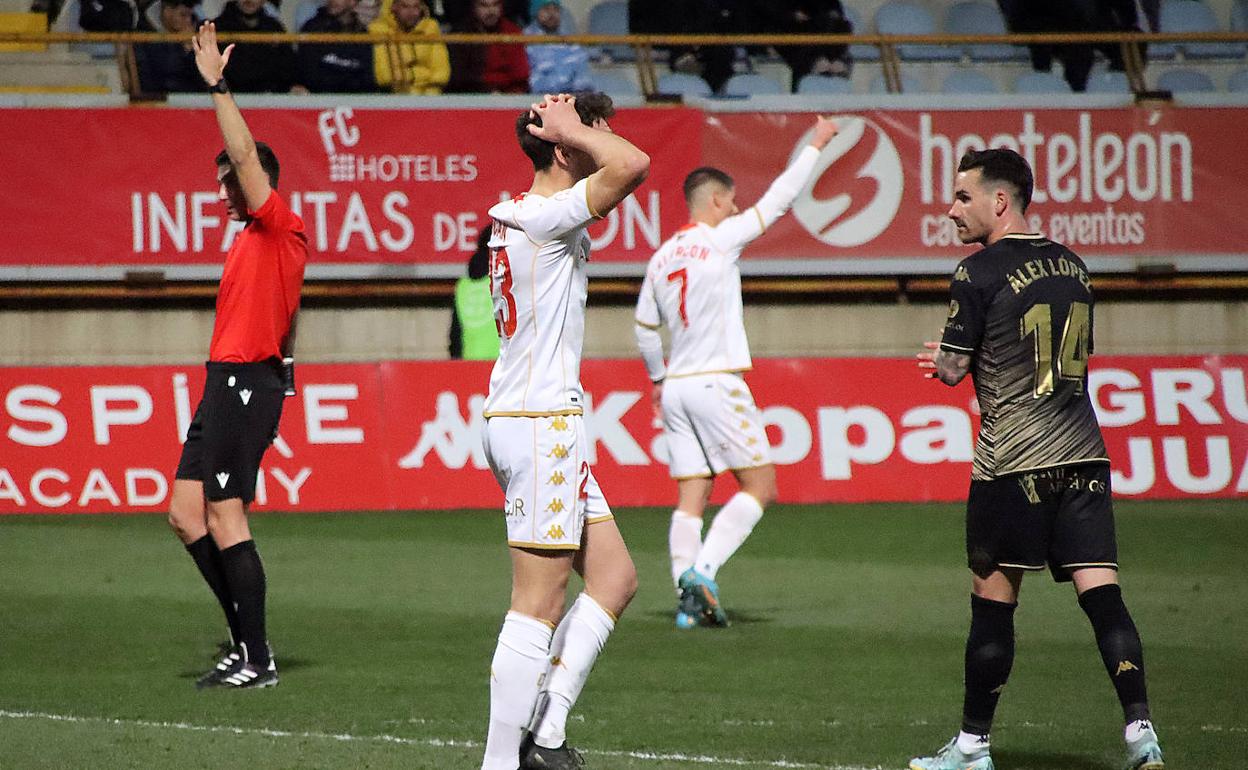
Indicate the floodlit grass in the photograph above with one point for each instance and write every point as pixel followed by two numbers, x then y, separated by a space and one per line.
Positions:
pixel 845 649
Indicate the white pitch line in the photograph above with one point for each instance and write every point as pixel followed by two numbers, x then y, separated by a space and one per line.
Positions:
pixel 698 759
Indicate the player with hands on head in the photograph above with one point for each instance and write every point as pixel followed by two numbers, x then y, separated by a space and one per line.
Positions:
pixel 238 415
pixel 692 289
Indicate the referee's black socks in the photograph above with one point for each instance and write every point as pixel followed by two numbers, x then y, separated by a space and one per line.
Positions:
pixel 989 658
pixel 1120 647
pixel 245 576
pixel 208 559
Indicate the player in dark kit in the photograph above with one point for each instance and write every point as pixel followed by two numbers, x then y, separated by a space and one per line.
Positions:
pixel 238 415
pixel 1020 321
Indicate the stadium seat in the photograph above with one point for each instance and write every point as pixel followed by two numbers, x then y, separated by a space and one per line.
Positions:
pixel 1040 83
pixel 1239 16
pixel 859 51
pixel 751 84
pixel 1238 83
pixel 304 11
pixel 964 81
pixel 897 17
pixel 683 84
pixel 822 84
pixel 1185 82
pixel 1108 83
pixel 614 84
pixel 1192 16
pixel 611 18
pixel 909 85
pixel 971 17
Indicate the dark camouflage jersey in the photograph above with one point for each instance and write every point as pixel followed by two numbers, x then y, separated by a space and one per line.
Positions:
pixel 1022 309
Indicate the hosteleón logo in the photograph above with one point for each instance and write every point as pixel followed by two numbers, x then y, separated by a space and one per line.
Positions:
pixel 856 189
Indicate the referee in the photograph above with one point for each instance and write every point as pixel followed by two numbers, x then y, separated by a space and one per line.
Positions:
pixel 238 415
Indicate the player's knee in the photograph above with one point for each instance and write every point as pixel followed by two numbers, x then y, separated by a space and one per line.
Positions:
pixel 186 520
pixel 763 490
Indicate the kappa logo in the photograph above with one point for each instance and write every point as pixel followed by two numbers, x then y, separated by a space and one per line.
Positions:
pixel 245 395
pixel 1124 666
pixel 556 506
pixel 223 478
pixel 555 532
pixel 557 479
pixel 1028 483
pixel 559 423
pixel 954 307
pixel 860 174
pixel 559 451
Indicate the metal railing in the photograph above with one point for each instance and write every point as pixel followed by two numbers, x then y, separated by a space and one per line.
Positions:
pixel 644 45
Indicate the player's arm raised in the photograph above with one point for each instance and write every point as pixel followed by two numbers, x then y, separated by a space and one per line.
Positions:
pixel 621 166
pixel 239 145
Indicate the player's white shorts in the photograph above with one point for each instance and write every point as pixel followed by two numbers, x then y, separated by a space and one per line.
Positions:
pixel 712 425
pixel 550 492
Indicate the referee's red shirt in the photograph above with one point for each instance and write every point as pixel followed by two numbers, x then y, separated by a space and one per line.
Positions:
pixel 260 287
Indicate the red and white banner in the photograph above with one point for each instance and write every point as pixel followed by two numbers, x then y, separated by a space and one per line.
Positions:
pixel 407 435
pixel 412 186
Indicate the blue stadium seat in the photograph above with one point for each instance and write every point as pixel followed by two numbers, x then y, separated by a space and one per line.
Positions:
pixel 964 81
pixel 1040 83
pixel 614 84
pixel 751 84
pixel 611 18
pixel 1239 16
pixel 971 17
pixel 683 84
pixel 1108 83
pixel 897 17
pixel 859 51
pixel 1185 82
pixel 67 21
pixel 304 11
pixel 1192 16
pixel 1238 83
pixel 909 85
pixel 822 84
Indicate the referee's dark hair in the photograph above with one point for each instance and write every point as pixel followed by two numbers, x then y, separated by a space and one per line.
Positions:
pixel 268 162
pixel 704 175
pixel 1003 166
pixel 592 106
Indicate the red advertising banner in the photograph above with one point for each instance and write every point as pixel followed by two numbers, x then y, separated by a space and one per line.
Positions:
pixel 411 187
pixel 407 435
pixel 373 186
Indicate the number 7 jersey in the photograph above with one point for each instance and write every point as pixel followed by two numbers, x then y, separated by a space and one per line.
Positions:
pixel 538 251
pixel 1022 309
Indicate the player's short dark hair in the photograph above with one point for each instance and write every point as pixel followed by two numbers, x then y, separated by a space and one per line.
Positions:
pixel 268 162
pixel 705 175
pixel 1003 166
pixel 592 106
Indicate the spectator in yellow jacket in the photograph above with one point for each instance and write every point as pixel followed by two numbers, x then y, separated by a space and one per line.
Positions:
pixel 410 68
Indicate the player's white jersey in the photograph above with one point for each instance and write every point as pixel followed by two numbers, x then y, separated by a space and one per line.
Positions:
pixel 539 248
pixel 693 287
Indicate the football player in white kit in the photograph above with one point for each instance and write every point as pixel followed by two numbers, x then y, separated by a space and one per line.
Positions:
pixel 693 288
pixel 535 440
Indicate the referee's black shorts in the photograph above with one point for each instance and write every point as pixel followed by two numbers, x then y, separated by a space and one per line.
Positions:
pixel 235 422
pixel 1060 517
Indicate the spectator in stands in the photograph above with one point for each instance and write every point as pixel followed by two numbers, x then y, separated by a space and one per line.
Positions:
pixel 715 63
pixel 410 68
pixel 555 69
pixel 257 67
pixel 498 68
pixel 1031 16
pixel 168 67
pixel 473 334
pixel 108 16
pixel 811 17
pixel 336 67
pixel 453 12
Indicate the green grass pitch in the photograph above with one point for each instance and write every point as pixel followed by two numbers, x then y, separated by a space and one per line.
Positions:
pixel 845 651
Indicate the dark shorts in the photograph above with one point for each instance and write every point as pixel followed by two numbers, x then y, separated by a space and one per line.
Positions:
pixel 1059 517
pixel 235 422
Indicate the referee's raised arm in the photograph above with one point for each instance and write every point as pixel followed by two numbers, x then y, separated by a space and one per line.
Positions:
pixel 239 145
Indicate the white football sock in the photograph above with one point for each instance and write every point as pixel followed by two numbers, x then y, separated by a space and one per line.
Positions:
pixel 1137 729
pixel 684 539
pixel 732 525
pixel 520 660
pixel 971 744
pixel 578 640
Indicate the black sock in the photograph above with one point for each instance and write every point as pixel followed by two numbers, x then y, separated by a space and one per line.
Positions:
pixel 989 658
pixel 1120 647
pixel 208 558
pixel 245 575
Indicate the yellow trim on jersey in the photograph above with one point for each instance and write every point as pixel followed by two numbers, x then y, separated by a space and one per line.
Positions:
pixel 560 413
pixel 597 519
pixel 712 371
pixel 707 475
pixel 589 205
pixel 645 325
pixel 543 546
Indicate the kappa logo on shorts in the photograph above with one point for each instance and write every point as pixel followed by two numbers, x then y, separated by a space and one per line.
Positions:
pixel 559 451
pixel 1125 666
pixel 1028 483
pixel 556 506
pixel 555 532
pixel 739 408
pixel 245 395
pixel 559 423
pixel 557 479
pixel 745 424
pixel 223 478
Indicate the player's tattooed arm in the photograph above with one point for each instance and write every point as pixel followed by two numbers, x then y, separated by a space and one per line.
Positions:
pixel 943 365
